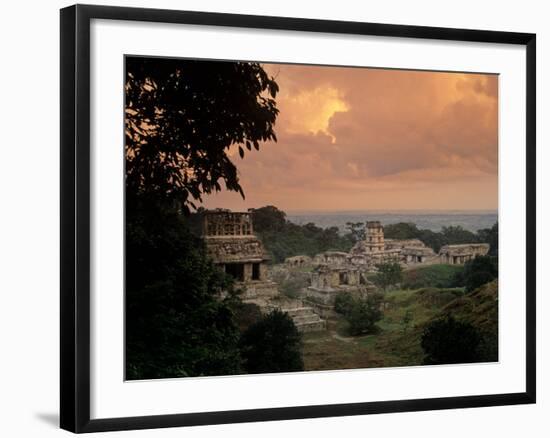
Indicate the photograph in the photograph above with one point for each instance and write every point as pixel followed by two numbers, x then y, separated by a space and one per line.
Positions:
pixel 285 218
pixel 267 220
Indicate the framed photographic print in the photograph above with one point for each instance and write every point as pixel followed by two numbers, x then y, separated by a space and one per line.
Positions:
pixel 268 218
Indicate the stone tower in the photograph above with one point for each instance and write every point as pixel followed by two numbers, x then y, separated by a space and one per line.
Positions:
pixel 231 244
pixel 374 238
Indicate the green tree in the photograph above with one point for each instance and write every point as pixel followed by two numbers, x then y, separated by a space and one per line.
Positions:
pixel 268 218
pixel 283 238
pixel 389 274
pixel 401 231
pixel 448 341
pixel 272 345
pixel 432 239
pixel 343 303
pixel 357 231
pixel 479 271
pixel 363 316
pixel 454 235
pixel 490 236
pixel 176 325
pixel 183 116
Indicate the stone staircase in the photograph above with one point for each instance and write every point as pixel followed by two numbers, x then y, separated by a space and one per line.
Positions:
pixel 303 315
pixel 306 320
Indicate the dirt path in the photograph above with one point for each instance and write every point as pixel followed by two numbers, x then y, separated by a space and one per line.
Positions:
pixel 342 338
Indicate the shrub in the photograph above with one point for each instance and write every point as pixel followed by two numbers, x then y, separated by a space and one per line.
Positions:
pixel 271 345
pixel 448 341
pixel 343 303
pixel 363 316
pixel 246 314
pixel 479 271
pixel 388 274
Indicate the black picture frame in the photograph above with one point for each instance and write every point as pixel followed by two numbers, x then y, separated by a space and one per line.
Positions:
pixel 75 217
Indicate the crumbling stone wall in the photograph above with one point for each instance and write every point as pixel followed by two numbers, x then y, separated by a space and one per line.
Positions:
pixel 231 244
pixel 298 261
pixel 460 254
pixel 227 223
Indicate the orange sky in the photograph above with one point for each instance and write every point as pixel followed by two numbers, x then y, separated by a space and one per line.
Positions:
pixel 364 139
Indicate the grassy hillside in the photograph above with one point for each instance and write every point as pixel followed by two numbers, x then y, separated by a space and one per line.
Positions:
pixel 431 276
pixel 398 343
pixel 479 308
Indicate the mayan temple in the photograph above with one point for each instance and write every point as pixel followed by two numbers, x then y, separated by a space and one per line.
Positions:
pixel 233 246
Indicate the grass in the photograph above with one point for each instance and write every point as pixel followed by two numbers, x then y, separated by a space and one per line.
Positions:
pixel 397 343
pixel 431 276
pixel 329 353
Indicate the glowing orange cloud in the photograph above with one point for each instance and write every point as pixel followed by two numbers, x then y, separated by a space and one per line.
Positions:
pixel 310 111
pixel 359 138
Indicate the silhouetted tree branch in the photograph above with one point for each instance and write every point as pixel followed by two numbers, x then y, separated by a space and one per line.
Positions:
pixel 183 117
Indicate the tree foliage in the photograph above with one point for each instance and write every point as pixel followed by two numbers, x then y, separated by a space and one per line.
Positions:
pixel 389 274
pixel 448 341
pixel 455 234
pixel 490 236
pixel 480 309
pixel 363 316
pixel 176 325
pixel 182 118
pixel 477 272
pixel 273 344
pixel 268 219
pixel 343 303
pixel 357 231
pixel 401 231
pixel 283 238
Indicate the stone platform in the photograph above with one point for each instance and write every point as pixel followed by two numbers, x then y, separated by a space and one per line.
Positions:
pixel 304 316
pixel 306 320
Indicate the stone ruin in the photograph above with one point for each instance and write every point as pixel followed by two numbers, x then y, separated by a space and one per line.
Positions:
pixel 233 246
pixel 373 247
pixel 335 271
pixel 460 254
pixel 300 261
pixel 409 252
pixel 327 281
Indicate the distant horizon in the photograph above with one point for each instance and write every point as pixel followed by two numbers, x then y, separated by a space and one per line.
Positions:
pixel 435 220
pixel 372 210
pixel 395 211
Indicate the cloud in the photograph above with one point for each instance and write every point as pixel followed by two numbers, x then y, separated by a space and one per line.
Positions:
pixel 310 111
pixel 374 138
